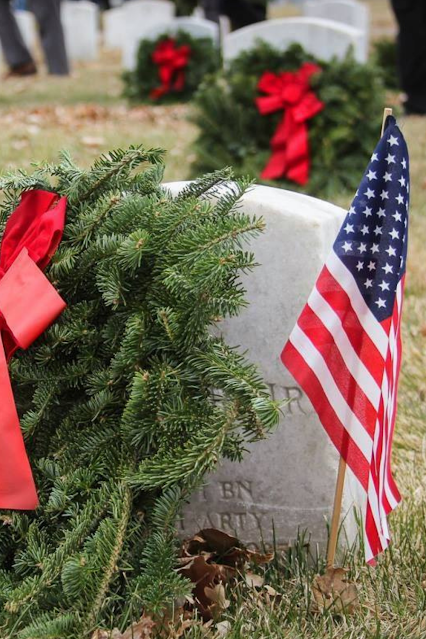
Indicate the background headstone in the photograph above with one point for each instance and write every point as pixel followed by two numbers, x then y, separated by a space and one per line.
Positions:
pixel 140 17
pixel 323 38
pixel 80 21
pixel 114 28
pixel 196 27
pixel 288 480
pixel 349 12
pixel 27 27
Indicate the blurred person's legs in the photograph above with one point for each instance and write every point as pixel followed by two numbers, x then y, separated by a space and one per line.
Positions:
pixel 16 53
pixel 243 12
pixel 411 16
pixel 211 9
pixel 48 16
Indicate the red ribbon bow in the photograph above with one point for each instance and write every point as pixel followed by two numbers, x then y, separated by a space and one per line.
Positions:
pixel 291 92
pixel 28 304
pixel 171 61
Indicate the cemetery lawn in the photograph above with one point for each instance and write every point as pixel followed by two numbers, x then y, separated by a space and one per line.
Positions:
pixel 86 115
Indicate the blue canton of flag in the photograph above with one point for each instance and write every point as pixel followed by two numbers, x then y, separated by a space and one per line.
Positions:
pixel 372 242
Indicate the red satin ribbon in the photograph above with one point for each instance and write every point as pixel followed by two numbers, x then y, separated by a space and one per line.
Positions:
pixel 28 304
pixel 289 145
pixel 171 62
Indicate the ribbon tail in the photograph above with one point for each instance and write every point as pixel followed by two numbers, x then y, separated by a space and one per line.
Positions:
pixel 276 166
pixel 17 488
pixel 298 154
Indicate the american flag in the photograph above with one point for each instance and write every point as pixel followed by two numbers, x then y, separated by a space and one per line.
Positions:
pixel 345 350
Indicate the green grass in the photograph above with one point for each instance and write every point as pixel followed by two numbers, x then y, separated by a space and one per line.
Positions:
pixel 86 114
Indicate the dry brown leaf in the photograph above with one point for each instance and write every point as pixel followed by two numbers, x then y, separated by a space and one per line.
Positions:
pixel 254 581
pixel 335 592
pixel 223 627
pixel 107 634
pixel 259 558
pixel 142 629
pixel 205 575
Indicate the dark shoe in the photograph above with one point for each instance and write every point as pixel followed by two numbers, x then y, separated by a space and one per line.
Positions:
pixel 29 68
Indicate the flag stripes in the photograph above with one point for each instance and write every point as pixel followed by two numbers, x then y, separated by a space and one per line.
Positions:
pixel 345 350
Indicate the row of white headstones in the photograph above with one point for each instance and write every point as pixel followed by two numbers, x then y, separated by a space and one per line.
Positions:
pixel 327 29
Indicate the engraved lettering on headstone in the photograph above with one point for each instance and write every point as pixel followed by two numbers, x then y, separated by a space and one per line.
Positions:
pixel 225 521
pixel 293 393
pixel 208 522
pixel 240 520
pixel 236 489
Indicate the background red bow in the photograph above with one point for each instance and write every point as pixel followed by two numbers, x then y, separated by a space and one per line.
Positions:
pixel 171 61
pixel 28 304
pixel 290 92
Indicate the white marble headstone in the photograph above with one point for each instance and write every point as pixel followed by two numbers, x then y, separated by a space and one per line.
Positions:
pixel 27 27
pixel 114 28
pixel 140 17
pixel 80 21
pixel 288 480
pixel 349 12
pixel 196 27
pixel 323 38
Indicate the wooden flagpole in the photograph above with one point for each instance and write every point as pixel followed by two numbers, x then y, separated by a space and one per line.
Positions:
pixel 340 482
pixel 387 111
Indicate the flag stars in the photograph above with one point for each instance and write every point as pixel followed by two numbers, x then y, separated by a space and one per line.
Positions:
pixel 347 246
pixel 387 268
pixel 364 230
pixel 349 228
pixel 375 157
pixel 402 181
pixel 368 283
pixel 375 248
pixel 371 175
pixel 394 234
pixel 362 247
pixel 391 251
pixel 397 217
pixel 384 286
pixel 360 266
pixel 371 266
pixel 380 303
pixel 384 195
pixel 404 163
pixel 352 210
pixel 390 159
pixel 399 198
pixel 387 177
pixel 381 213
pixel 393 141
pixel 378 230
pixel 367 211
pixel 369 193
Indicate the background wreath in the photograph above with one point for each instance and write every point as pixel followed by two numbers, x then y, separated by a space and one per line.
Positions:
pixel 232 132
pixel 204 59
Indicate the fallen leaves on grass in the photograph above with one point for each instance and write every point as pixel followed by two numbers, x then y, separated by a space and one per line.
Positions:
pixel 142 629
pixel 333 591
pixel 211 559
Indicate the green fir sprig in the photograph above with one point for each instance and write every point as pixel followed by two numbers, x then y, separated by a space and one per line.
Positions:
pixel 118 398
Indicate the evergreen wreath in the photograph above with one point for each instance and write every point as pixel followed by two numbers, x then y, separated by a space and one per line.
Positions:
pixel 341 136
pixel 116 399
pixel 203 59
